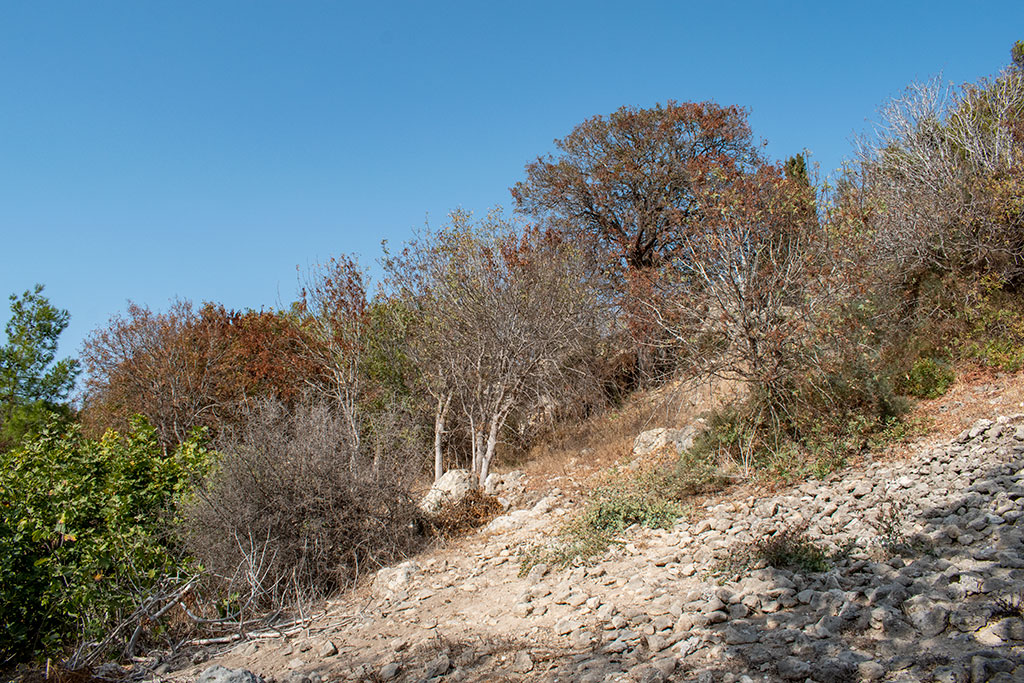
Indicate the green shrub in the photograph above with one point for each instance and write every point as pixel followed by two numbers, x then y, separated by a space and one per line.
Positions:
pixel 791 548
pixel 609 512
pixel 996 327
pixel 928 378
pixel 80 528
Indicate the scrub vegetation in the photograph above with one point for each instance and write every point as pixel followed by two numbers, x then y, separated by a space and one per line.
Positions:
pixel 242 463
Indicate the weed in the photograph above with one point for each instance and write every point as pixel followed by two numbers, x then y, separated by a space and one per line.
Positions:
pixel 788 548
pixel 1011 605
pixel 610 511
pixel 791 548
pixel 889 525
pixel 928 378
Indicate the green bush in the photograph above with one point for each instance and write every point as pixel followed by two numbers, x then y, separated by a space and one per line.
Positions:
pixel 791 548
pixel 609 512
pixel 996 327
pixel 80 531
pixel 928 378
pixel 787 548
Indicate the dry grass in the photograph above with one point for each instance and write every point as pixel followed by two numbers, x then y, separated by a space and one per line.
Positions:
pixel 573 456
pixel 977 393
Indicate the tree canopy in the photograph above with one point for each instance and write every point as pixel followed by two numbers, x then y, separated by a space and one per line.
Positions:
pixel 32 383
pixel 629 180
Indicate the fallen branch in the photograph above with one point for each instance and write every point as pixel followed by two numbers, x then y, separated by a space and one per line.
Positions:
pixel 275 631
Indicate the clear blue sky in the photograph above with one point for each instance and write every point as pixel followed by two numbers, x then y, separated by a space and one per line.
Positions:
pixel 205 149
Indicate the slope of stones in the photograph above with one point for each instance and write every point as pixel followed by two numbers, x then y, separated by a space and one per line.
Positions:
pixel 925 584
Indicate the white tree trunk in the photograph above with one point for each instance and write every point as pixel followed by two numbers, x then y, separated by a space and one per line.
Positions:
pixel 439 420
pixel 492 445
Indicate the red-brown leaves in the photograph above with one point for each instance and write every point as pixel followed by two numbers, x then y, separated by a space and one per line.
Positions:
pixel 629 181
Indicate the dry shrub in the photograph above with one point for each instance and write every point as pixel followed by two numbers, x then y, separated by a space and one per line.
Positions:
pixel 461 516
pixel 294 512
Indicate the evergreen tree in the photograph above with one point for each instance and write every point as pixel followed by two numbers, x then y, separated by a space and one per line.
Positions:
pixel 32 385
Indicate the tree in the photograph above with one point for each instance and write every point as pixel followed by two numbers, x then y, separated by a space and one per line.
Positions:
pixel 499 315
pixel 629 181
pixel 171 367
pixel 334 315
pixel 1017 54
pixel 31 383
pixel 187 368
pixel 796 169
pixel 938 189
pixel 746 295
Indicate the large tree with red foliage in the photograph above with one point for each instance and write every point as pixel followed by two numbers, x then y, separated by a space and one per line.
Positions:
pixel 187 368
pixel 630 180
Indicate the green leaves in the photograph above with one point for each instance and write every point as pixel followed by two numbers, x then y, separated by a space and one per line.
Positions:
pixel 27 369
pixel 31 383
pixel 80 524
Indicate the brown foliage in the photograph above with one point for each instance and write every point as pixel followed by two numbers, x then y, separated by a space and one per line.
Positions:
pixel 459 517
pixel 629 181
pixel 293 511
pixel 185 368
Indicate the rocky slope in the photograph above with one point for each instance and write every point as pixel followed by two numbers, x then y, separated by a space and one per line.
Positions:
pixel 925 583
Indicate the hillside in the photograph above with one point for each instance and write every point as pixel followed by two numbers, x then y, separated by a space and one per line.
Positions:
pixel 923 583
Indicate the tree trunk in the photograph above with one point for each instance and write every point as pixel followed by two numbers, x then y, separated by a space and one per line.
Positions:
pixel 492 445
pixel 439 419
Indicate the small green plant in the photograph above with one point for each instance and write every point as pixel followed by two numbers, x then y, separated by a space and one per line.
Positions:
pixel 889 525
pixel 610 511
pixel 613 509
pixel 791 548
pixel 928 378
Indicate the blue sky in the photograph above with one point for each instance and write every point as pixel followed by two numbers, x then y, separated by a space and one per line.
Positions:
pixel 205 149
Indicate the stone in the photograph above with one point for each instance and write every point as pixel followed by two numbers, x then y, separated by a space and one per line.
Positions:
pixel 522 663
pixel 793 669
pixel 391 580
pixel 438 667
pixel 508 483
pixel 647 673
pixel 300 677
pixel 537 572
pixel 655 439
pixel 565 627
pixel 985 668
pixel 389 671
pixel 870 670
pixel 328 649
pixel 222 674
pixel 453 486
pixel 656 643
pixel 740 635
pixel 1002 632
pixel 927 616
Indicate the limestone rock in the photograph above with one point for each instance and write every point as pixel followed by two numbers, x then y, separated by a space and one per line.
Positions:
pixel 453 486
pixel 221 674
pixel 655 439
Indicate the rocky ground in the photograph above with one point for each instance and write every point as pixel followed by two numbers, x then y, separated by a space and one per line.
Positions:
pixel 926 583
